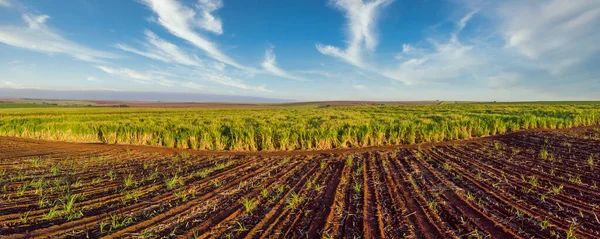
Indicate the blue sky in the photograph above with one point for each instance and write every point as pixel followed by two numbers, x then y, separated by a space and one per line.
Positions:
pixel 307 49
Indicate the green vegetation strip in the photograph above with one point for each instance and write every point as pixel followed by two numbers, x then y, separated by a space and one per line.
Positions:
pixel 290 128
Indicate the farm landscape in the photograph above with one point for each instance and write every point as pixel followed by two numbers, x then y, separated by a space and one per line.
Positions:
pixel 324 119
pixel 486 170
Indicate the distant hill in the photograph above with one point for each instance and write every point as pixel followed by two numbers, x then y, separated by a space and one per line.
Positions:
pixel 105 95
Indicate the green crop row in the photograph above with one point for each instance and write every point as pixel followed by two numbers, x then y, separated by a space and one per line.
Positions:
pixel 290 128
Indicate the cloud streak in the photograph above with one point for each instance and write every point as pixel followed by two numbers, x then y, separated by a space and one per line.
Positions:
pixel 182 21
pixel 362 18
pixel 207 20
pixel 5 3
pixel 270 65
pixel 159 49
pixel 136 76
pixel 36 36
pixel 557 34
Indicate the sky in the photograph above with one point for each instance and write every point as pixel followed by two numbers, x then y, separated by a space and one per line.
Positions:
pixel 307 50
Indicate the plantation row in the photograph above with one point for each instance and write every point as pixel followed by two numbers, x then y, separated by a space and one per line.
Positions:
pixel 290 128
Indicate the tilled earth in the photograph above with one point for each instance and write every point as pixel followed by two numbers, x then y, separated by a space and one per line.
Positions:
pixel 540 184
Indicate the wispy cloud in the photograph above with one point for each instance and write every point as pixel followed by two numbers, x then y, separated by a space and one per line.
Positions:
pixel 136 76
pixel 362 18
pixel 5 3
pixel 159 49
pixel 462 23
pixel 443 61
pixel 556 34
pixel 10 84
pixel 182 21
pixel 504 80
pixel 36 36
pixel 170 79
pixel 92 79
pixel 223 79
pixel 208 21
pixel 162 50
pixel 270 64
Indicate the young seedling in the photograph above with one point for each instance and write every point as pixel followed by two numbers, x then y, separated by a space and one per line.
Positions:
pixel 544 154
pixel 128 182
pixel 357 187
pixel 119 222
pixel 111 174
pixel 133 195
pixel 51 214
pixel 556 190
pixel 576 179
pixel 318 188
pixel 55 170
pixel 294 201
pixel 433 205
pixel 544 224
pixel 69 206
pixel 591 162
pixel 349 161
pixel 184 155
pixel 35 162
pixel 77 184
pixel 42 202
pixel 533 181
pixel 204 173
pixel 96 181
pixel 173 182
pixel 264 193
pixel 182 195
pixel 571 232
pixel 24 218
pixel 102 225
pixel 249 205
pixel 447 166
pixel 240 228
pixel 470 196
pixel 216 183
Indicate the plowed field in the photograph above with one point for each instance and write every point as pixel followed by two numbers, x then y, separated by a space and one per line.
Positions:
pixel 540 184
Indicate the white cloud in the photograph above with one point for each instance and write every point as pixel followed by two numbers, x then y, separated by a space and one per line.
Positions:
pixel 12 85
pixel 35 22
pixel 159 49
pixel 504 80
pixel 446 61
pixel 162 50
pixel 462 23
pixel 92 79
pixel 361 20
pixel 192 85
pixel 138 77
pixel 270 64
pixel 208 21
pixel 5 3
pixel 38 37
pixel 556 34
pixel 181 21
pixel 223 79
pixel 169 79
pixel 322 73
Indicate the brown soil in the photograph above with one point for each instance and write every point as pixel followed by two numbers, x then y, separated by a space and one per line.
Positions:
pixel 539 183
